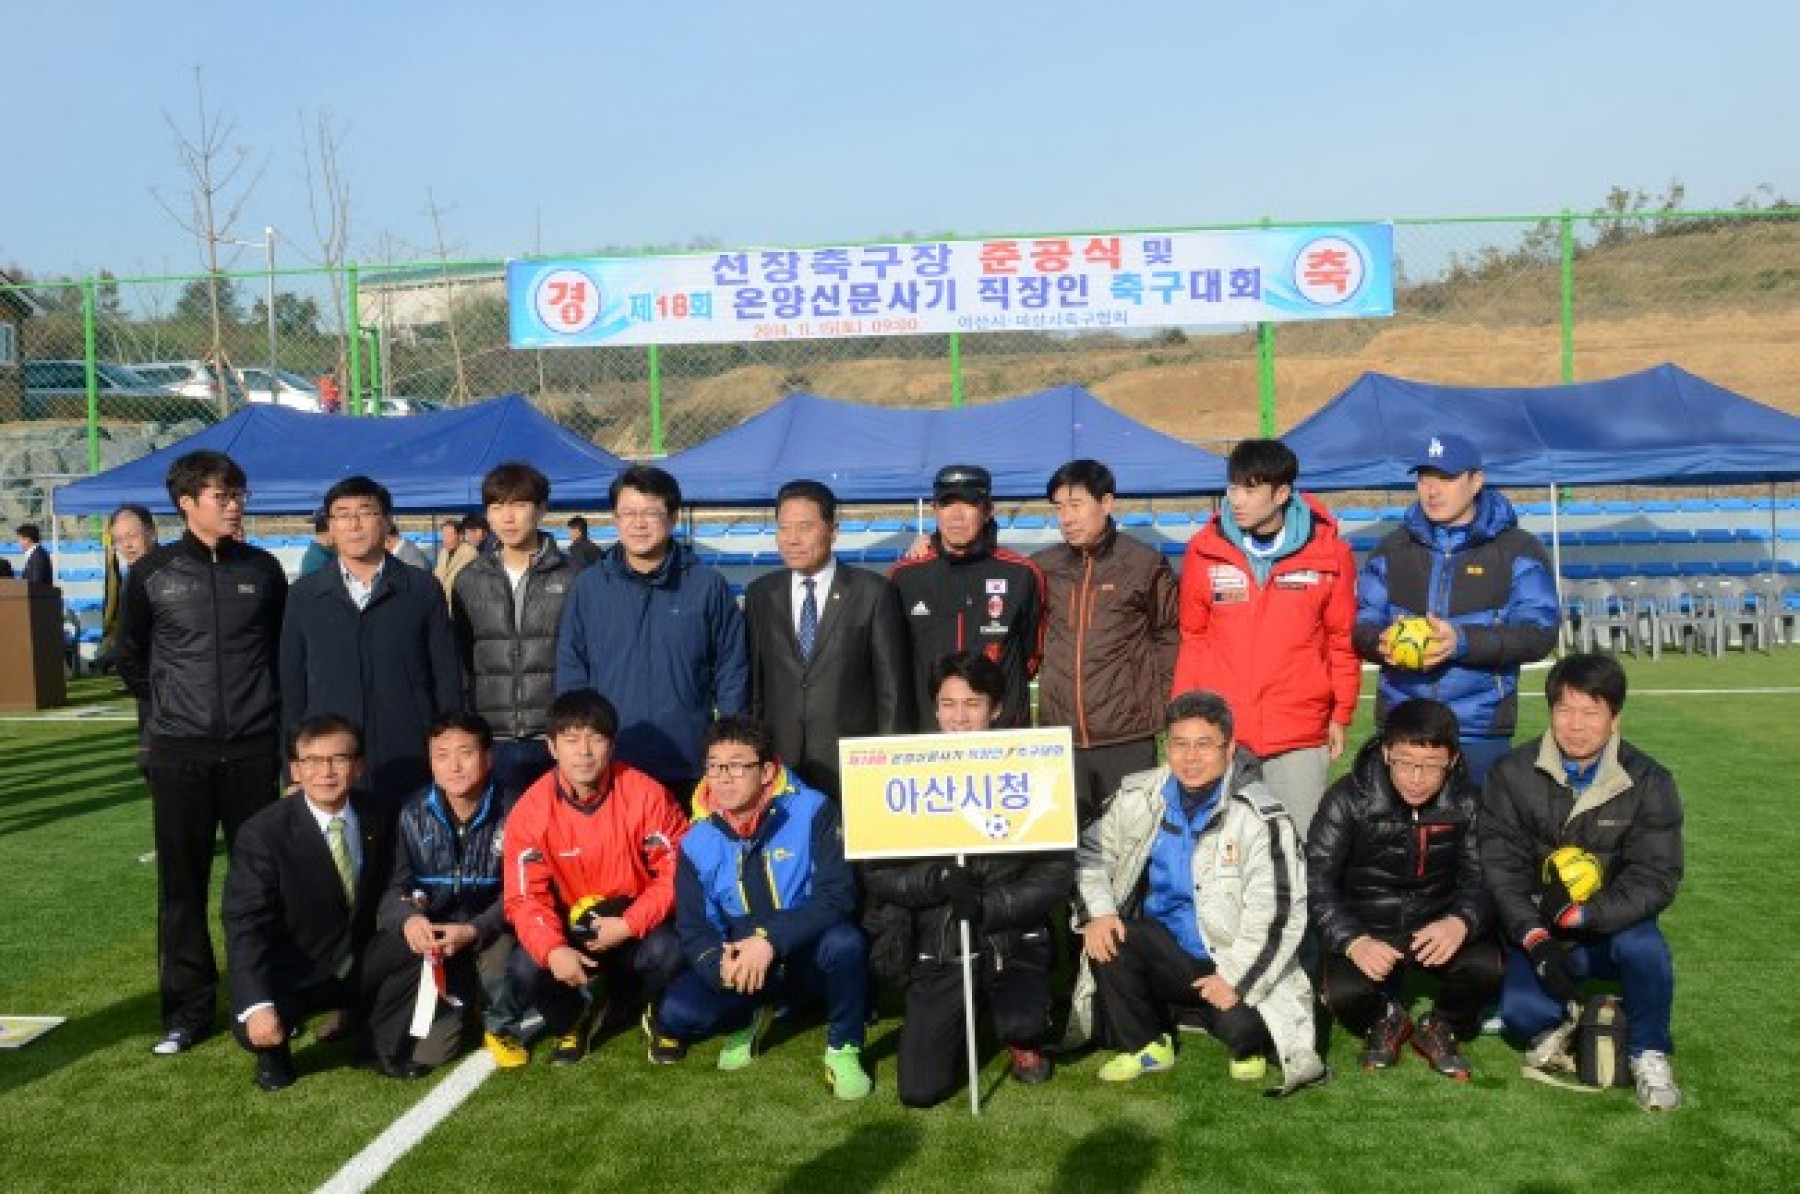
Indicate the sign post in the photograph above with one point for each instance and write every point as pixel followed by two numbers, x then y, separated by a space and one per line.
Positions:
pixel 956 795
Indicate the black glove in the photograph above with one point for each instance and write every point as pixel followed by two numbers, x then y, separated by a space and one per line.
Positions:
pixel 956 886
pixel 1555 904
pixel 1550 962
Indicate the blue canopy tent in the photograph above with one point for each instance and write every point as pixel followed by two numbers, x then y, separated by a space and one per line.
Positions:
pixel 428 462
pixel 1663 424
pixel 882 454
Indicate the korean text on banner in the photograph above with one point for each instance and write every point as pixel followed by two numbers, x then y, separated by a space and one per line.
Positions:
pixel 1049 283
pixel 942 794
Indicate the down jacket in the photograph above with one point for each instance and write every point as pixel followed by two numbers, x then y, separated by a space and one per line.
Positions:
pixel 1250 897
pixel 1017 893
pixel 1629 818
pixel 1379 867
pixel 507 642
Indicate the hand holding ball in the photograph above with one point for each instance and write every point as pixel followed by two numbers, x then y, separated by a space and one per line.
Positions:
pixel 1408 640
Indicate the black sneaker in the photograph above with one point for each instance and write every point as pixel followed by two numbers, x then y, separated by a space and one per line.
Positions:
pixel 574 1044
pixel 1382 1043
pixel 1437 1045
pixel 664 1050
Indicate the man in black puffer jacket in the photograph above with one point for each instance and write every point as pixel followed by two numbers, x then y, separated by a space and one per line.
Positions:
pixel 1395 884
pixel 199 633
pixel 1006 898
pixel 505 608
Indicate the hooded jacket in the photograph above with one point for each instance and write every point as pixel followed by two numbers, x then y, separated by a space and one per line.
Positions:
pixel 987 599
pixel 1488 578
pixel 1380 867
pixel 1110 637
pixel 665 647
pixel 1277 649
pixel 1629 818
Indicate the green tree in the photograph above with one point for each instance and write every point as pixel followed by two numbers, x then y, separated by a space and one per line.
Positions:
pixel 295 315
pixel 195 302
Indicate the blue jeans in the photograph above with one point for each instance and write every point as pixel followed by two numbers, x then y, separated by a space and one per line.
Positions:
pixel 1637 957
pixel 1479 754
pixel 834 971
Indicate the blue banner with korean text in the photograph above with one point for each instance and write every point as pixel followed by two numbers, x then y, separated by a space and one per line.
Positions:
pixel 1060 283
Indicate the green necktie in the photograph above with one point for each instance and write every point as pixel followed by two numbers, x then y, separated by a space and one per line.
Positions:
pixel 340 855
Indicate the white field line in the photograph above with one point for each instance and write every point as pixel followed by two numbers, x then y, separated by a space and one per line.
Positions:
pixel 367 1167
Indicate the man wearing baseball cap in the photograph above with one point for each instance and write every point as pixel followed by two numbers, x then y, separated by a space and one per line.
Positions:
pixel 964 592
pixel 1459 559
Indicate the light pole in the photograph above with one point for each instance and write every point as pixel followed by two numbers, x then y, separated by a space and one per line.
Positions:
pixel 268 245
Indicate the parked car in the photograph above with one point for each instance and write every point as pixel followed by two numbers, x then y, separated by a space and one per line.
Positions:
pixel 398 405
pixel 58 390
pixel 283 387
pixel 190 379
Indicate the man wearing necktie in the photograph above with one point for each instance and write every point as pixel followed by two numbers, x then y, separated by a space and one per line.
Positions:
pixel 300 900
pixel 828 647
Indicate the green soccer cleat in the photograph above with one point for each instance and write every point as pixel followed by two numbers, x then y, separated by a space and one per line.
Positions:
pixel 1249 1069
pixel 844 1072
pixel 1154 1058
pixel 742 1046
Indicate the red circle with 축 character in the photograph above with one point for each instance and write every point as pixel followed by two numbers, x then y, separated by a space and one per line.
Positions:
pixel 567 301
pixel 1329 270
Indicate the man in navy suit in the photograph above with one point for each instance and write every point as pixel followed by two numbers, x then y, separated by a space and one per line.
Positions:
pixel 35 564
pixel 842 671
pixel 300 900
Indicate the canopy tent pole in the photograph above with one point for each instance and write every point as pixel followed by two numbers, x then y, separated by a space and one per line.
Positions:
pixel 1556 553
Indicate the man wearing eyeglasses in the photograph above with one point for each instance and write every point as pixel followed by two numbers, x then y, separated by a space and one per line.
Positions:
pixel 964 592
pixel 657 632
pixel 369 638
pixel 1395 885
pixel 199 631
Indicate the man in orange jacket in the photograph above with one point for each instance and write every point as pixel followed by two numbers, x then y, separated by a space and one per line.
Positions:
pixel 591 850
pixel 1268 601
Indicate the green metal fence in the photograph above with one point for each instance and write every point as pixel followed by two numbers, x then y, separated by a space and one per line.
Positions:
pixel 1503 300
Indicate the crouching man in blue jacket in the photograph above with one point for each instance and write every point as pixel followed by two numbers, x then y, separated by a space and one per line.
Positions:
pixel 765 906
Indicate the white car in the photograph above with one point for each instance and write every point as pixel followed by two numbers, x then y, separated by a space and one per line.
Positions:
pixel 282 387
pixel 190 379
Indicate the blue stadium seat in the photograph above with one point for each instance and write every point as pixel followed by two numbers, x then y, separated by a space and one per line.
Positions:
pixel 1674 536
pixel 880 555
pixel 1615 571
pixel 1029 522
pixel 887 526
pixel 1694 505
pixel 1739 567
pixel 1356 514
pixel 1713 535
pixel 853 526
pixel 1751 534
pixel 1533 509
pixel 1788 534
pixel 1172 547
pixel 1635 538
pixel 1581 571
pixel 1174 518
pixel 1392 513
pixel 1361 543
pixel 1137 519
pixel 1659 506
pixel 1734 505
pixel 1658 569
pixel 1581 509
pixel 1697 568
pixel 1615 507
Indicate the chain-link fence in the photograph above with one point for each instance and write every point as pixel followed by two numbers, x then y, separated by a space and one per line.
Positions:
pixel 1524 301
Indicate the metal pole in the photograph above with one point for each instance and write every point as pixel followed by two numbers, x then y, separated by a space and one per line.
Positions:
pixel 968 991
pixel 353 347
pixel 89 300
pixel 1265 377
pixel 956 373
pixel 269 244
pixel 656 411
pixel 1567 253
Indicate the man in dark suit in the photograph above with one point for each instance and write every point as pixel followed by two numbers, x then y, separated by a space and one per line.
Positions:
pixel 35 564
pixel 829 655
pixel 369 638
pixel 300 901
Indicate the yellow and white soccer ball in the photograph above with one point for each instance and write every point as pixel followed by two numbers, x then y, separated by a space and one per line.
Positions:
pixel 1408 640
pixel 1580 872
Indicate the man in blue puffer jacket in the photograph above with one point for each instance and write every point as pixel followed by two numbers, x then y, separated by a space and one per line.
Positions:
pixel 657 633
pixel 1461 560
pixel 765 907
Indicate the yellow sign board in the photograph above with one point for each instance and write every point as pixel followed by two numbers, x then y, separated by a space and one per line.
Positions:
pixel 995 792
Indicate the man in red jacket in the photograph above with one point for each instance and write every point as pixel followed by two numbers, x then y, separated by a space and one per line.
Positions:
pixel 1268 600
pixel 590 878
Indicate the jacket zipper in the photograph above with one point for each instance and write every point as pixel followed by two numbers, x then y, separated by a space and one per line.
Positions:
pixel 1079 616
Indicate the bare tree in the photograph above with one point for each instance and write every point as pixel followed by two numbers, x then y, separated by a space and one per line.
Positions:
pixel 459 385
pixel 328 202
pixel 217 192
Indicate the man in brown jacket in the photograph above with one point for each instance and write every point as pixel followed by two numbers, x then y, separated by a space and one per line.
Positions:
pixel 1111 634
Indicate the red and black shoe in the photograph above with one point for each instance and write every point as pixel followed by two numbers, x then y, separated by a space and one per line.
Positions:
pixel 1383 1042
pixel 1438 1046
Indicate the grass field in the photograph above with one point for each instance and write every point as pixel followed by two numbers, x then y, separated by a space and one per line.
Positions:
pixel 88 1107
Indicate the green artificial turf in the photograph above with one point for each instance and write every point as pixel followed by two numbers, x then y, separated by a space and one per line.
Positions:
pixel 88 1108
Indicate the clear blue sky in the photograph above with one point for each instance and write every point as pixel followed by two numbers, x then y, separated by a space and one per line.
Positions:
pixel 780 123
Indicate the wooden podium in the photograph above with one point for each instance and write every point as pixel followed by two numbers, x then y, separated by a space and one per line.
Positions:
pixel 31 648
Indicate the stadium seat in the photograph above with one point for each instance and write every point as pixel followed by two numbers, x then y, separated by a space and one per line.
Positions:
pixel 1533 509
pixel 1029 522
pixel 1137 519
pixel 1580 509
pixel 1713 535
pixel 1658 506
pixel 1356 514
pixel 1674 536
pixel 1751 534
pixel 1635 538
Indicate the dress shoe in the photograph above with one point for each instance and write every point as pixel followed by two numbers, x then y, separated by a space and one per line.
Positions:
pixel 275 1070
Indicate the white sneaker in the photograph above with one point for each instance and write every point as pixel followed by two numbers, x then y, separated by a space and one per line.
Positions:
pixel 1549 1051
pixel 1656 1089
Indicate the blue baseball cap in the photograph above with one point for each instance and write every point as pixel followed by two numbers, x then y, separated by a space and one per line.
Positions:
pixel 1449 454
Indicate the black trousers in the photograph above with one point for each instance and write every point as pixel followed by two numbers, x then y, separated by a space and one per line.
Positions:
pixel 1150 975
pixel 190 801
pixel 391 985
pixel 933 1053
pixel 295 1007
pixel 1464 987
pixel 1099 770
pixel 629 976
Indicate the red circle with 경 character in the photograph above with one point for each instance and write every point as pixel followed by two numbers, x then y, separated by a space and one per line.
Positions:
pixel 567 301
pixel 1328 270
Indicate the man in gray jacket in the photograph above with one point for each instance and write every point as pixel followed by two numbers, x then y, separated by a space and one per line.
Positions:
pixel 505 608
pixel 1191 893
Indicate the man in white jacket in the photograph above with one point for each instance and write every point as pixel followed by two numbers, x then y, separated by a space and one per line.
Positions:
pixel 1191 893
